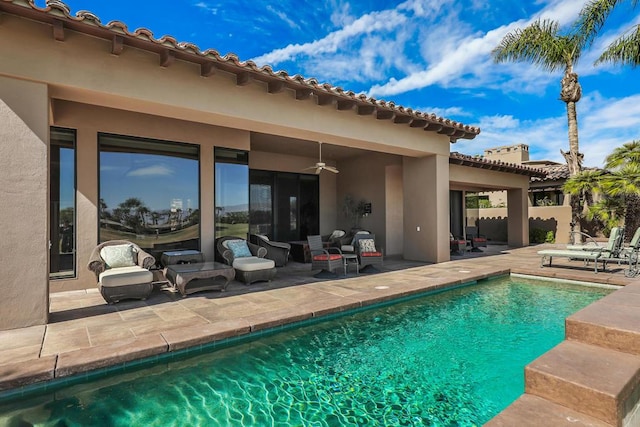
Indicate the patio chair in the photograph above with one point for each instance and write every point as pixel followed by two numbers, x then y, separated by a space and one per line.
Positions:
pixel 122 270
pixel 347 242
pixel 335 238
pixel 631 255
pixel 368 255
pixel 247 259
pixel 610 252
pixel 276 251
pixel 327 260
pixel 457 245
pixel 475 239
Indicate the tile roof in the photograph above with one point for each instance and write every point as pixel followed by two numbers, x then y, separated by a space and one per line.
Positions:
pixel 497 165
pixel 556 173
pixel 59 16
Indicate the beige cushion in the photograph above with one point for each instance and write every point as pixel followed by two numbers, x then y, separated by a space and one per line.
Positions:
pixel 125 276
pixel 118 256
pixel 367 245
pixel 253 263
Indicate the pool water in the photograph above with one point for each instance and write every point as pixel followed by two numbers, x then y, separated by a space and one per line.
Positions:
pixel 451 359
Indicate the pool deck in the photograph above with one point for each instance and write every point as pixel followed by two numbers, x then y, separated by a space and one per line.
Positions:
pixel 597 367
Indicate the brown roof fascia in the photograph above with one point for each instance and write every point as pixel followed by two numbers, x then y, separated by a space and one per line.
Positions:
pixel 456 158
pixel 58 15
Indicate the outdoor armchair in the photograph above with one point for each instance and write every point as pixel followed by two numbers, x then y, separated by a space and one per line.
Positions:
pixel 476 239
pixel 247 259
pixel 276 251
pixel 368 254
pixel 327 260
pixel 122 270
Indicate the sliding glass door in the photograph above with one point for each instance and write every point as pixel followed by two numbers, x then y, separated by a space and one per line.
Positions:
pixel 283 206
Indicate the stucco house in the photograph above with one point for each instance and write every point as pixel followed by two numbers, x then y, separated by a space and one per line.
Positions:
pixel 108 132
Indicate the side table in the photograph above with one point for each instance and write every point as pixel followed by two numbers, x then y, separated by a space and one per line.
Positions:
pixel 350 259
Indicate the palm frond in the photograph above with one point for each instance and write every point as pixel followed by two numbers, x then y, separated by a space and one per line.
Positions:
pixel 592 18
pixel 628 153
pixel 624 51
pixel 539 44
pixel 585 181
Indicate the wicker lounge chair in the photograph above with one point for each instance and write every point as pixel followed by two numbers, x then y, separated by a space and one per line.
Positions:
pixel 247 259
pixel 122 270
pixel 276 251
pixel 327 260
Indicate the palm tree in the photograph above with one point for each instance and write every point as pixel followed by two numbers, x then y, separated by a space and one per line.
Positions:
pixel 619 185
pixel 543 45
pixel 624 182
pixel 581 188
pixel 623 50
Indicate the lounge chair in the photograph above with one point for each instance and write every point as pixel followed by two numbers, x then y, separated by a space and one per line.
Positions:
pixel 122 270
pixel 276 251
pixel 610 252
pixel 247 259
pixel 368 255
pixel 630 255
pixel 327 260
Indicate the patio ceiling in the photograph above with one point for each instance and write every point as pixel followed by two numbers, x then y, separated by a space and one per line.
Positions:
pixel 300 147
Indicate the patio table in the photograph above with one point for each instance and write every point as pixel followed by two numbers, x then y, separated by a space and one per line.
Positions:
pixel 203 275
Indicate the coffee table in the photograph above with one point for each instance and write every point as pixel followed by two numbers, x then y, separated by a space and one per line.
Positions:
pixel 180 276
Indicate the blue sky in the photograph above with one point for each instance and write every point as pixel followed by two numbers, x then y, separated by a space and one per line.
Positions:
pixel 429 55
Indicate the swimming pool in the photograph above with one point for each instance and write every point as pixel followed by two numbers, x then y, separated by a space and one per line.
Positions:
pixel 454 358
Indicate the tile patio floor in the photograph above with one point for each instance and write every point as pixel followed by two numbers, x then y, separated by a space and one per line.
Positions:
pixel 85 333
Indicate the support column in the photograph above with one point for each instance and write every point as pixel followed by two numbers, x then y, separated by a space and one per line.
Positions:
pixel 426 208
pixel 518 218
pixel 24 208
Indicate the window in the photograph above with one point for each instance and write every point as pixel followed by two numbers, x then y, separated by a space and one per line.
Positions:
pixel 231 193
pixel 62 203
pixel 149 193
pixel 548 198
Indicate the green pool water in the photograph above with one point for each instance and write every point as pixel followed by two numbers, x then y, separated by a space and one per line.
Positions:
pixel 451 359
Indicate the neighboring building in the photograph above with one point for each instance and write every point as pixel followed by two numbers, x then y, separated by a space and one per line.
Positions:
pixel 549 206
pixel 102 128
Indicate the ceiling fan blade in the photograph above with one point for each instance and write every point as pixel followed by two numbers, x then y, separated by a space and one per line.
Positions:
pixel 331 169
pixel 309 168
pixel 318 170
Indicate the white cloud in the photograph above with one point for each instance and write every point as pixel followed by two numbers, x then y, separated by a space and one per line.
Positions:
pixel 603 124
pixel 387 20
pixel 445 112
pixel 466 60
pixel 283 16
pixel 206 7
pixel 155 170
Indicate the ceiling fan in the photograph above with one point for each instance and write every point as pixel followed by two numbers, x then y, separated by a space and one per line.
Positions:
pixel 320 165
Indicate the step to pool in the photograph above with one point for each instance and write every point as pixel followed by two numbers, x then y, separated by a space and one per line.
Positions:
pixel 613 322
pixel 596 381
pixel 534 411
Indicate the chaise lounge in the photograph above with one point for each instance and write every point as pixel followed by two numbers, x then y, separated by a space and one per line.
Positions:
pixel 607 253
